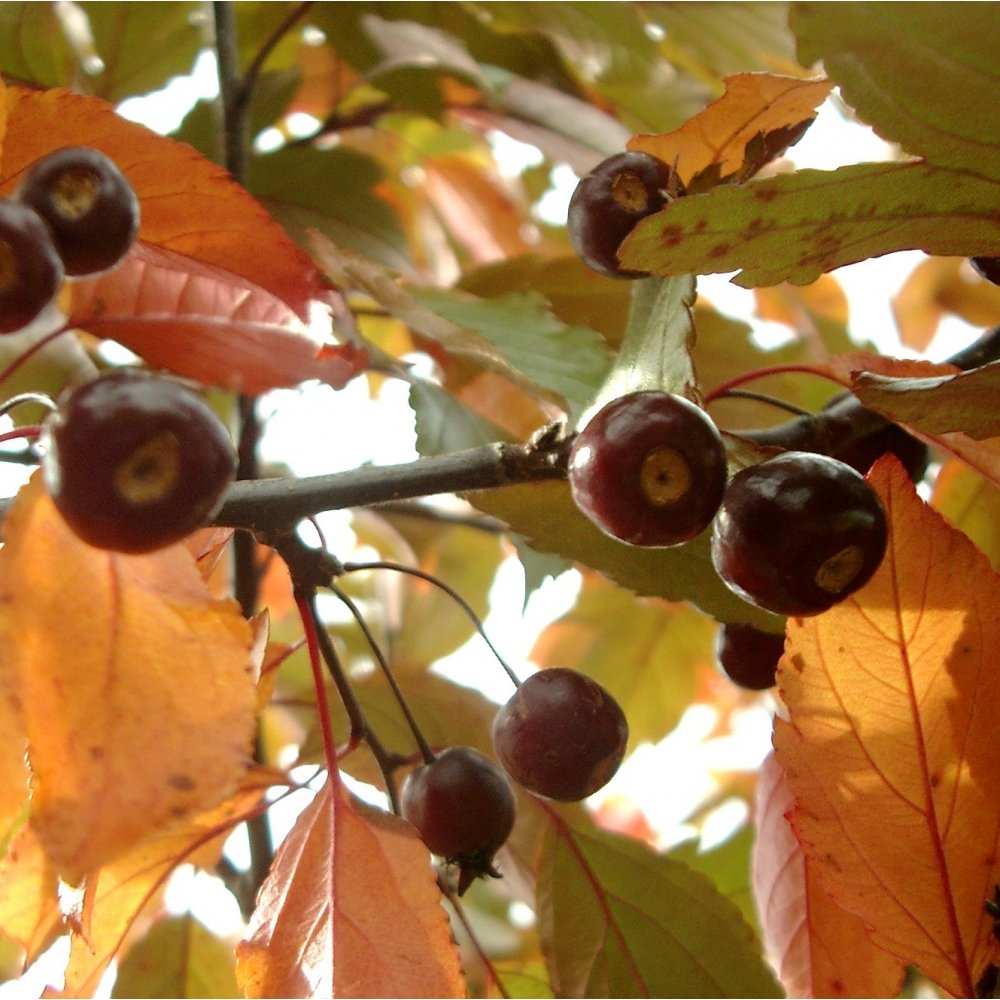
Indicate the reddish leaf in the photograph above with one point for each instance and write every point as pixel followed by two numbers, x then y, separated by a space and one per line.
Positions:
pixel 189 205
pixel 350 909
pixel 207 324
pixel 890 747
pixel 968 402
pixel 756 120
pixel 139 707
pixel 817 948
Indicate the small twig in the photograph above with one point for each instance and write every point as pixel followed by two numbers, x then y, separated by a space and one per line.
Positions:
pixel 425 748
pixel 760 397
pixel 349 567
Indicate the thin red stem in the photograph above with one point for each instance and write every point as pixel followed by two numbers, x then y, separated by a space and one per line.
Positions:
pixel 319 681
pixel 745 377
pixel 31 431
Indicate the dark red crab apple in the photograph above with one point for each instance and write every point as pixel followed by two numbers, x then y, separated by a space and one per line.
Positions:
pixel 88 204
pixel 561 735
pixel 30 268
pixel 798 533
pixel 135 461
pixel 649 469
pixel 463 808
pixel 608 204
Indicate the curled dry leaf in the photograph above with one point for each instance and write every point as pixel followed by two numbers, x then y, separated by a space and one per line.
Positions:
pixel 757 118
pixel 138 709
pixel 890 745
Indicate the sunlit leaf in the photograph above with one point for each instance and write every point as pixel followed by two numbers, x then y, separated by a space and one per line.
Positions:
pixel 178 957
pixel 570 361
pixel 444 424
pixel 646 653
pixel 190 206
pixel 971 504
pixel 117 896
pixel 817 948
pixel 910 91
pixel 545 514
pixel 797 226
pixel 124 731
pixel 207 324
pixel 320 930
pixel 890 746
pixel 939 404
pixel 754 122
pixel 618 919
pixel 29 898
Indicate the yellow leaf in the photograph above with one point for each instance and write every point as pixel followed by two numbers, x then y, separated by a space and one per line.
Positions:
pixel 135 687
pixel 29 900
pixel 350 909
pixel 817 949
pixel 890 749
pixel 756 108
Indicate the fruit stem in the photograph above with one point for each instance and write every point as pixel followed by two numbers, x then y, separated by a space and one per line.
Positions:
pixel 450 591
pixel 21 432
pixel 425 749
pixel 760 397
pixel 305 602
pixel 757 373
pixel 456 905
pixel 359 725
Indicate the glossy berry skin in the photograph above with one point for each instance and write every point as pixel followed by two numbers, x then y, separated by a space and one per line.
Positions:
pixel 749 656
pixel 608 204
pixel 649 469
pixel 88 204
pixel 987 267
pixel 561 735
pixel 463 808
pixel 798 533
pixel 135 461
pixel 30 268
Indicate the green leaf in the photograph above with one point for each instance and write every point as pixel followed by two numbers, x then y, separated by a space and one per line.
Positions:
pixel 33 47
pixel 567 360
pixel 142 45
pixel 918 73
pixel 728 866
pixel 445 425
pixel 329 191
pixel 968 402
pixel 645 652
pixel 178 957
pixel 656 350
pixel 617 919
pixel 795 227
pixel 544 513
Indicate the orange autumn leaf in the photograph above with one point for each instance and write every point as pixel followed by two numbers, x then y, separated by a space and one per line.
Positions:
pixel 817 949
pixel 890 746
pixel 190 206
pixel 29 894
pixel 350 909
pixel 135 688
pixel 754 121
pixel 119 894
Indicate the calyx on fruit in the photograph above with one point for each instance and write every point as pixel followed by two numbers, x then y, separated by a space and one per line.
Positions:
pixel 463 808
